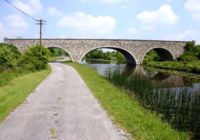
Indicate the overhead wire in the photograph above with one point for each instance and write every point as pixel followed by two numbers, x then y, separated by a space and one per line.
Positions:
pixel 43 30
pixel 20 10
pixel 38 21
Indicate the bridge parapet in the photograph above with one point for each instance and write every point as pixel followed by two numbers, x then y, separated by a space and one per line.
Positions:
pixel 134 50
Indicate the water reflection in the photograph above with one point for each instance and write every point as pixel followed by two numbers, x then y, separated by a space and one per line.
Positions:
pixel 177 98
pixel 103 69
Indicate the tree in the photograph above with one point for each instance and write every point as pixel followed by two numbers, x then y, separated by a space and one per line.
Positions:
pixel 99 54
pixel 35 58
pixel 151 56
pixel 119 57
pixel 190 46
pixel 192 52
pixel 9 56
pixel 96 54
pixel 53 52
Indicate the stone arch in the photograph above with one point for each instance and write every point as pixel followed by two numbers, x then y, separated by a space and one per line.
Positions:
pixel 64 50
pixel 164 54
pixel 130 58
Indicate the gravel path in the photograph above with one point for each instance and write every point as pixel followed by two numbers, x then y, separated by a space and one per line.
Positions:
pixel 60 108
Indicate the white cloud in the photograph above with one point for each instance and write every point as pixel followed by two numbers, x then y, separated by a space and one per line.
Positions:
pixel 193 6
pixel 13 26
pixel 86 23
pixel 164 15
pixel 186 35
pixel 16 22
pixel 52 11
pixel 31 6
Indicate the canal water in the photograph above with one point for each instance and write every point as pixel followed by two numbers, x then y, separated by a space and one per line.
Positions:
pixel 174 97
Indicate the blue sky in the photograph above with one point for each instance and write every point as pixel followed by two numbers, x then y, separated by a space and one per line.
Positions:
pixel 124 19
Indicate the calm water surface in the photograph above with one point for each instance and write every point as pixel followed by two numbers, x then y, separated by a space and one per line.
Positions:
pixel 178 101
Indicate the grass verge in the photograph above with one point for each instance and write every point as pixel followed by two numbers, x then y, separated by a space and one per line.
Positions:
pixel 6 76
pixel 17 89
pixel 126 111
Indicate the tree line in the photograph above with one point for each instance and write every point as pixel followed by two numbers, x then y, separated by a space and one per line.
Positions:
pixel 108 55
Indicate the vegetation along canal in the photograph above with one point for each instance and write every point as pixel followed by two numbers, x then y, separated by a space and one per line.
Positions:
pixel 174 97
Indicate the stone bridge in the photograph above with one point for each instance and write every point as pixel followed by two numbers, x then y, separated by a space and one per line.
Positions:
pixel 133 50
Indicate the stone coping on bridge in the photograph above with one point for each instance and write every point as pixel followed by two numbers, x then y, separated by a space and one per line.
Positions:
pixel 105 39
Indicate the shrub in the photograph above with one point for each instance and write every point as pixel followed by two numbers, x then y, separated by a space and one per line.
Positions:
pixel 9 56
pixel 151 56
pixel 189 46
pixel 53 52
pixel 196 51
pixel 188 56
pixel 35 58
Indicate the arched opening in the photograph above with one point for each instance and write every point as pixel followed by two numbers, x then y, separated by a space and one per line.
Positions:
pixel 109 55
pixel 157 54
pixel 57 54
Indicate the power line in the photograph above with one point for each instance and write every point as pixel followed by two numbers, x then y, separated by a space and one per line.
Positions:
pixel 20 10
pixel 38 22
pixel 43 30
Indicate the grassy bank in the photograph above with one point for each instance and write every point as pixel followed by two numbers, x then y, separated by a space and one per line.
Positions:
pixel 126 111
pixel 15 87
pixel 193 66
pixel 7 76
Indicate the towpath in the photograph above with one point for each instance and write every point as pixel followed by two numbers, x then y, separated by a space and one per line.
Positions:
pixel 60 108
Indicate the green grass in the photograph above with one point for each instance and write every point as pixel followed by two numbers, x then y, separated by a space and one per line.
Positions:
pixel 126 111
pixel 59 59
pixel 17 88
pixel 6 76
pixel 55 58
pixel 193 66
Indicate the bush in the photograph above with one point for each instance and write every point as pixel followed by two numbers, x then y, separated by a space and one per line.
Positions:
pixel 188 56
pixel 190 46
pixel 151 56
pixel 196 51
pixel 9 56
pixel 54 52
pixel 35 58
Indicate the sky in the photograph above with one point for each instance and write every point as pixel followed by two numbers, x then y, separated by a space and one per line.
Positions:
pixel 104 19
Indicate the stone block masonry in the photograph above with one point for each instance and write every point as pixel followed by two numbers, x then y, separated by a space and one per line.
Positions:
pixel 133 50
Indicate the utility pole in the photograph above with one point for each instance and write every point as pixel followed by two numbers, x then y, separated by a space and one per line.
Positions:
pixel 40 22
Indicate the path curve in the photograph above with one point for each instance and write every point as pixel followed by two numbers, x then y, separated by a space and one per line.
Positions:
pixel 61 108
